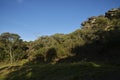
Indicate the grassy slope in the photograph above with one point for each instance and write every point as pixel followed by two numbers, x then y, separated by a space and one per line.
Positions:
pixel 62 71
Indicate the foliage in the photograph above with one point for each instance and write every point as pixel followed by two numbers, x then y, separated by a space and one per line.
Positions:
pixel 89 53
pixel 94 41
pixel 12 47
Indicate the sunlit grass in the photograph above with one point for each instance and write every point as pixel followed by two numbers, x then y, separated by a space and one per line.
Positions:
pixel 60 71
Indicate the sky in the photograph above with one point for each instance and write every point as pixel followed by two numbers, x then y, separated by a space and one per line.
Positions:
pixel 34 18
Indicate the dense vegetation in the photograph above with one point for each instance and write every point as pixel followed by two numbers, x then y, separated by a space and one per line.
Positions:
pixel 89 53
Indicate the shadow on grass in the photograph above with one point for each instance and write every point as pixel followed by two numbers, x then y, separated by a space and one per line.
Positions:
pixel 63 71
pixel 78 67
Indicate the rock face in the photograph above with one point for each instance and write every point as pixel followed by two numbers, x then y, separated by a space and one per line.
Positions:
pixel 102 20
pixel 113 13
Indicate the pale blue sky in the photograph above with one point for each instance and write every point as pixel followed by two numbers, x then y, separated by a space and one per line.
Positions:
pixel 33 18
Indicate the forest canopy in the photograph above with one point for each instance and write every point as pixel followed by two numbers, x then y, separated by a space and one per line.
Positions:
pixel 97 40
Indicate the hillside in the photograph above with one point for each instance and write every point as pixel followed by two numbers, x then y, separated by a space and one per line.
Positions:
pixel 89 53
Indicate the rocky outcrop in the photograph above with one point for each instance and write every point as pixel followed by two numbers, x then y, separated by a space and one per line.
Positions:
pixel 113 13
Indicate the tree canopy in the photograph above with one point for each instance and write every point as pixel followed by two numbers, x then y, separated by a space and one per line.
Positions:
pixel 98 39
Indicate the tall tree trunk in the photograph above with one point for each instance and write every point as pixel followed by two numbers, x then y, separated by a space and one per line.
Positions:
pixel 11 57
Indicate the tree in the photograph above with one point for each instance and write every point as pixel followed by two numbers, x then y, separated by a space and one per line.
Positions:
pixel 51 55
pixel 11 43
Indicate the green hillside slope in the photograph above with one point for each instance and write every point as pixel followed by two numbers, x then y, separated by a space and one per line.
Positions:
pixel 89 53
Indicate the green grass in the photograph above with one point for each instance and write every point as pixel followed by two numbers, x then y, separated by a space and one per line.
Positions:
pixel 61 71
